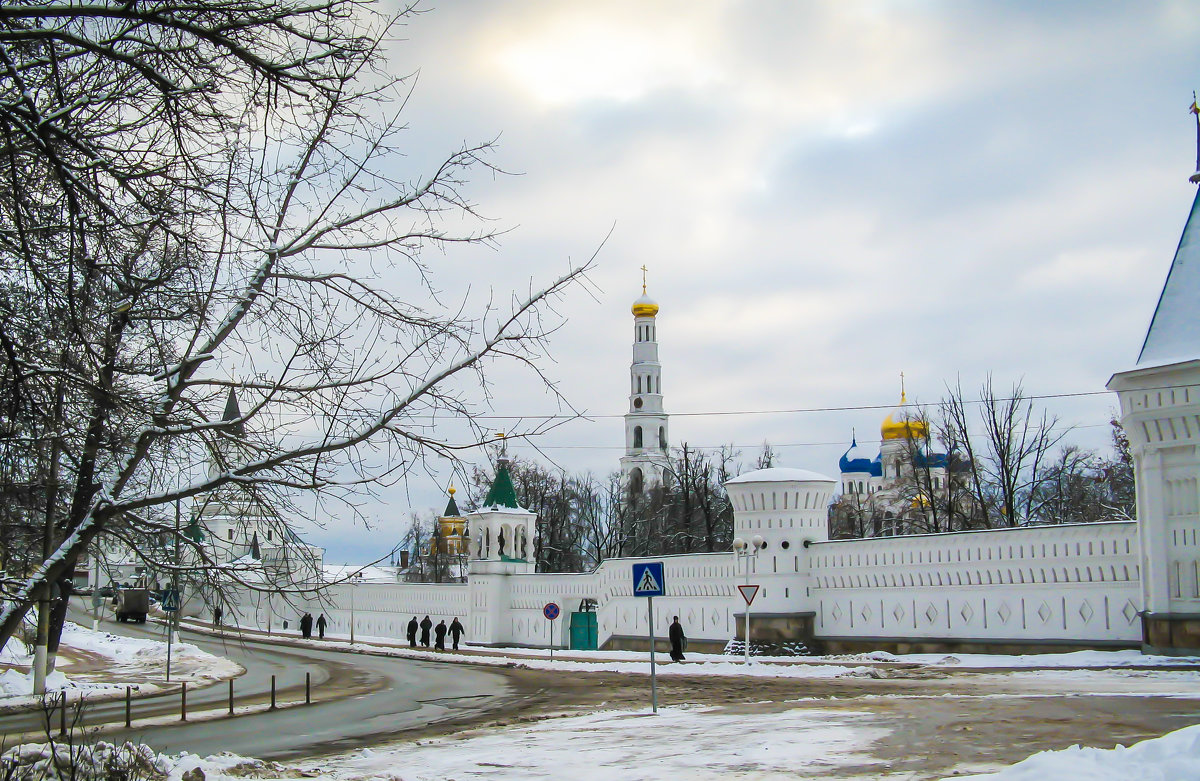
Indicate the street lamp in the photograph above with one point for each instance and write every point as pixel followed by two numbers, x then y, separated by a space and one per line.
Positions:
pixel 747 552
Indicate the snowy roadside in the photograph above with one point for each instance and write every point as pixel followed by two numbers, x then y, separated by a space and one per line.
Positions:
pixel 637 662
pixel 123 662
pixel 687 742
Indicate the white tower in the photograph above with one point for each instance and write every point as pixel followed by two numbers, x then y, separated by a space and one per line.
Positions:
pixel 647 455
pixel 1160 411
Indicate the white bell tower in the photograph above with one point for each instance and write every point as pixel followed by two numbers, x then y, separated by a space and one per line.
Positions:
pixel 647 452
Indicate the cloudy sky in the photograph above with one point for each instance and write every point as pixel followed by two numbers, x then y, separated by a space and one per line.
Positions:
pixel 826 194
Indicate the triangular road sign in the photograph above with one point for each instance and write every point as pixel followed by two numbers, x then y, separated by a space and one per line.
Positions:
pixel 647 583
pixel 748 593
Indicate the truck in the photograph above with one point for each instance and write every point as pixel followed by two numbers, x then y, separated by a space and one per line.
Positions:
pixel 131 604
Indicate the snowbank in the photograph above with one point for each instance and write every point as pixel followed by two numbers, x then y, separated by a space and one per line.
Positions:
pixel 1174 756
pixel 128 661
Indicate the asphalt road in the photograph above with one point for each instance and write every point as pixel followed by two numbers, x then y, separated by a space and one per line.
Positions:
pixel 358 699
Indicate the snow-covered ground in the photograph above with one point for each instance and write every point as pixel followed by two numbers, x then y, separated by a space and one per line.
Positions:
pixel 121 661
pixel 680 742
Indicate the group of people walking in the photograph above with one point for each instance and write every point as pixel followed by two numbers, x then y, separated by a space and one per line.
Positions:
pixel 455 630
pixel 306 625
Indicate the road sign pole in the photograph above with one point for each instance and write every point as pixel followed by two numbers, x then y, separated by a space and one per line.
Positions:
pixel 552 639
pixel 747 633
pixel 653 678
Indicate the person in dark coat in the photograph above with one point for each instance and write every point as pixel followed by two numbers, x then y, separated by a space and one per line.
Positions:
pixel 678 641
pixel 456 631
pixel 321 624
pixel 426 625
pixel 217 616
pixel 439 633
pixel 306 622
pixel 412 633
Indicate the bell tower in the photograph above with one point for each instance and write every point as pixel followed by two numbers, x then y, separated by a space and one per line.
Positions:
pixel 647 453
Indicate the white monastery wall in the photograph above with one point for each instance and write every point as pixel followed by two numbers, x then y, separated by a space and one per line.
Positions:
pixel 1068 583
pixel 1078 582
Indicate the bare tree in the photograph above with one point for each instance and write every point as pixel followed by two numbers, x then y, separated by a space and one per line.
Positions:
pixel 203 194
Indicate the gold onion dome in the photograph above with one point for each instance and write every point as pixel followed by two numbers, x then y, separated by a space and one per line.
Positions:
pixel 645 306
pixel 900 425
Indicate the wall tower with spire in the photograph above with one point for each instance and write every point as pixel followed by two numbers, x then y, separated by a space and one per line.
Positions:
pixel 647 452
pixel 1160 411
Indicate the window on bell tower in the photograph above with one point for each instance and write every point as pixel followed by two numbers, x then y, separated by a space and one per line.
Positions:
pixel 637 436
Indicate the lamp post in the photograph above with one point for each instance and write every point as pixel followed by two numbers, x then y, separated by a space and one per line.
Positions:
pixel 747 552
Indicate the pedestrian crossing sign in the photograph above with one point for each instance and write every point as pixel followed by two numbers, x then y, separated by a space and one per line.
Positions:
pixel 648 580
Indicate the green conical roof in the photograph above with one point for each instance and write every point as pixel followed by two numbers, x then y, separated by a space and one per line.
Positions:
pixel 451 508
pixel 502 493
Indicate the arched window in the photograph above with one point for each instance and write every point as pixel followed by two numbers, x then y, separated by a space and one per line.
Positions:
pixel 637 436
pixel 658 384
pixel 662 437
pixel 635 481
pixel 639 383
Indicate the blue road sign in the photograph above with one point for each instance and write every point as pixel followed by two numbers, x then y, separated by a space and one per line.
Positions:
pixel 550 611
pixel 648 579
pixel 170 600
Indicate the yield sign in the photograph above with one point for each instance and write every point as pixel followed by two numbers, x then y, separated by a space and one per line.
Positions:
pixel 748 593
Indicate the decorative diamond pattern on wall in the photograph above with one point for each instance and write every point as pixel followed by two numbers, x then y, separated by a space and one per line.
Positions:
pixel 898 613
pixel 836 613
pixel 1086 612
pixel 866 613
pixel 1044 612
pixel 1004 612
pixel 931 613
pixel 1130 611
pixel 967 613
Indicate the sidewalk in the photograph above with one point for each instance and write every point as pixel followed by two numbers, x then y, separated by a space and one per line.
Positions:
pixel 717 664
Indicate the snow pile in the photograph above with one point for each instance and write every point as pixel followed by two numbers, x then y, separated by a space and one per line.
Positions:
pixel 133 656
pixel 1174 756
pixel 99 762
pixel 14 683
pixel 14 652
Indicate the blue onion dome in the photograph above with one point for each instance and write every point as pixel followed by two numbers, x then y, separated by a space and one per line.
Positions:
pixel 877 466
pixel 854 459
pixel 926 460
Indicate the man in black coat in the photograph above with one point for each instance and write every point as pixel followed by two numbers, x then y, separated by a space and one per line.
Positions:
pixel 412 633
pixel 321 624
pixel 439 632
pixel 456 631
pixel 426 625
pixel 677 640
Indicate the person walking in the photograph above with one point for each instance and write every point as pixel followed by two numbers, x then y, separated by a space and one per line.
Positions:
pixel 439 632
pixel 306 622
pixel 678 640
pixel 216 616
pixel 321 624
pixel 426 625
pixel 456 631
pixel 412 633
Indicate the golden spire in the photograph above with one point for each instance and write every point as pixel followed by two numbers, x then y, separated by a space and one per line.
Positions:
pixel 645 306
pixel 451 490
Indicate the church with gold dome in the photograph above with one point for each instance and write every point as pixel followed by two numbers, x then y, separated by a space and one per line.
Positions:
pixel 894 492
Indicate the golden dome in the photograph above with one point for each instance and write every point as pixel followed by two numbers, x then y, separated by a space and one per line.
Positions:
pixel 900 425
pixel 645 306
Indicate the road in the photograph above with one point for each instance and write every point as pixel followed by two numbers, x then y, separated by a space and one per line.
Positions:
pixel 359 699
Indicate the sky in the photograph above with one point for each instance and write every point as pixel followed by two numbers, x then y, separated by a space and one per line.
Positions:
pixel 825 195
